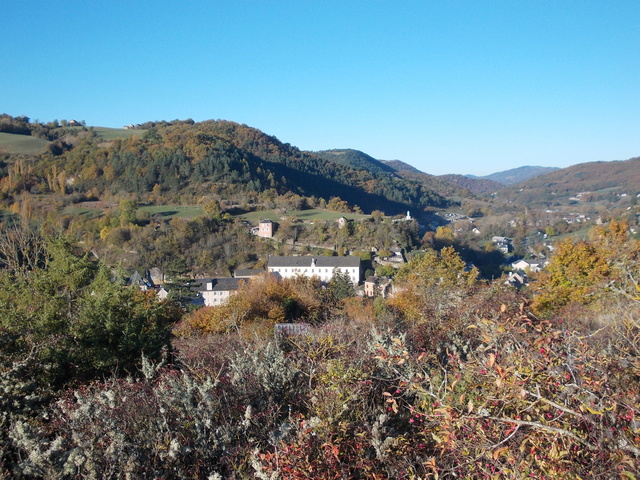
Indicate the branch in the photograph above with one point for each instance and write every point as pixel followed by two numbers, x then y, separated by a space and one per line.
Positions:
pixel 553 404
pixel 540 426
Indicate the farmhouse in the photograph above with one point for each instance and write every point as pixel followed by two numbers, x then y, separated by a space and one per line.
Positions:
pixel 217 291
pixel 374 286
pixel 526 266
pixel 321 267
pixel 503 244
pixel 142 283
pixel 264 229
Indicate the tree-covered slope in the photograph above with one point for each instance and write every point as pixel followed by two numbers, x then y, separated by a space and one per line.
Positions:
pixel 473 184
pixel 355 159
pixel 186 160
pixel 592 179
pixel 517 175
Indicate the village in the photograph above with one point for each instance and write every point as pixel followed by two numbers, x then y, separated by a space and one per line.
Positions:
pixel 215 291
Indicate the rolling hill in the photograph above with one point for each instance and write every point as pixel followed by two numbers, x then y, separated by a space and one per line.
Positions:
pixel 477 185
pixel 355 159
pixel 14 143
pixel 515 175
pixel 593 180
pixel 188 160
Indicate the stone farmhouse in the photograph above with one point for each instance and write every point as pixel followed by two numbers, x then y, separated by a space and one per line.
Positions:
pixel 321 267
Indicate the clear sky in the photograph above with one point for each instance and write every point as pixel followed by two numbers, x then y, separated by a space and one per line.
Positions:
pixel 446 86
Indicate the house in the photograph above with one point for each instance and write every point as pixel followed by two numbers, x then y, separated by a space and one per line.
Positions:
pixel 136 280
pixel 156 276
pixel 216 291
pixel 503 244
pixel 247 272
pixel 265 228
pixel 396 259
pixel 526 266
pixel 321 267
pixel 374 286
pixel 162 293
pixel 516 280
pixel 396 255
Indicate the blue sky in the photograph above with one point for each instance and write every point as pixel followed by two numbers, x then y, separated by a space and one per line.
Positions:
pixel 446 86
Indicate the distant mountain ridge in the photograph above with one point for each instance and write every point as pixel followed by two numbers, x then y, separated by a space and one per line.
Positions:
pixel 516 175
pixel 586 180
pixel 397 169
pixel 478 185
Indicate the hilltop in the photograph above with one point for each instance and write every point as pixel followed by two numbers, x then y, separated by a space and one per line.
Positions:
pixel 478 185
pixel 515 175
pixel 584 182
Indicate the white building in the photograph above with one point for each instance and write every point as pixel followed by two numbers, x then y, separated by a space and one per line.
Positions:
pixel 321 267
pixel 217 291
pixel 526 266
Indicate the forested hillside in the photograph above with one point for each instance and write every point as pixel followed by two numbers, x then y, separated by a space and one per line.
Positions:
pixel 517 175
pixel 476 185
pixel 596 180
pixel 181 161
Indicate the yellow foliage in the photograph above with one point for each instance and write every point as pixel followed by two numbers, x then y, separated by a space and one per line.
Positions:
pixel 582 271
pixel 265 300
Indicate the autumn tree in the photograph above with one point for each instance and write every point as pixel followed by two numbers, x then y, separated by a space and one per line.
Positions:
pixel 432 283
pixel 259 304
pixel 582 271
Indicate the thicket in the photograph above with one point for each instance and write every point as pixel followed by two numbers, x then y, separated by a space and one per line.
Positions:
pixel 452 378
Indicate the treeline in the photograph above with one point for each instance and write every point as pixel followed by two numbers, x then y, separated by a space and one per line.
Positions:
pixel 22 125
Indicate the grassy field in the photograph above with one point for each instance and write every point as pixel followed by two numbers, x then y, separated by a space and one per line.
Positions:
pixel 28 145
pixel 21 144
pixel 171 211
pixel 113 133
pixel 305 215
pixel 83 211
pixel 164 211
pixel 191 211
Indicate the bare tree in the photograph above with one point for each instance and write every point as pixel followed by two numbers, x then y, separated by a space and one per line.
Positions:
pixel 22 249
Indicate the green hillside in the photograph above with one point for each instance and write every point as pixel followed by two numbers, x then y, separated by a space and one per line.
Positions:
pixel 114 133
pixel 21 144
pixel 180 162
pixel 355 159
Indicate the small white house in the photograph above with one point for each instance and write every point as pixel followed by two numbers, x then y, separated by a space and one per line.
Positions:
pixel 217 291
pixel 526 266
